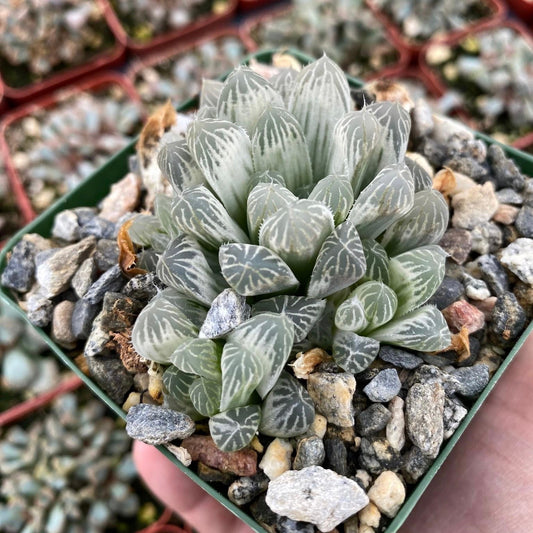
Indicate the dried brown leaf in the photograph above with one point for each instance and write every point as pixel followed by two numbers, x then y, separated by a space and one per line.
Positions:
pixel 127 258
pixel 444 181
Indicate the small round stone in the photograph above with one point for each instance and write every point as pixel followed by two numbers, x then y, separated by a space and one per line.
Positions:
pixel 388 493
pixel 398 357
pixel 309 452
pixel 384 387
pixel 471 380
pixel 372 420
pixel 448 292
pixel 157 425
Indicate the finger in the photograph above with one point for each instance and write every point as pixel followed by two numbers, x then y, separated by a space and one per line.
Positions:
pixel 182 495
pixel 485 484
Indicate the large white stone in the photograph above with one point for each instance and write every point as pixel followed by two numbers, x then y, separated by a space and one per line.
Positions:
pixel 316 495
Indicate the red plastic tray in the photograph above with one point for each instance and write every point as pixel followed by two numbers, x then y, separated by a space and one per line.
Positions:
pixel 92 83
pixel 440 86
pixel 497 14
pixel 203 24
pixel 103 60
pixel 522 8
pixel 248 5
pixel 250 24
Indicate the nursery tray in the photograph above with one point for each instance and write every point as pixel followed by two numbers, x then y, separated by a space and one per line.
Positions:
pixel 104 59
pixel 198 27
pixel 98 185
pixel 93 83
pixel 497 8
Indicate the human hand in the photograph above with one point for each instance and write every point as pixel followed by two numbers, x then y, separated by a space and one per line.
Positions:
pixel 485 485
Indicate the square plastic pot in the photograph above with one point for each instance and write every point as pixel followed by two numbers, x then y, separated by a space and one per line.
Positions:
pixel 105 59
pixel 98 185
pixel 94 83
pixel 199 27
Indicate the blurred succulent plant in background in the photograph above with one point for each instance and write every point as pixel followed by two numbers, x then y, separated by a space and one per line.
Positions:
pixel 345 29
pixel 55 149
pixel 295 222
pixel 68 471
pixel 9 215
pixel 144 19
pixel 41 37
pixel 421 20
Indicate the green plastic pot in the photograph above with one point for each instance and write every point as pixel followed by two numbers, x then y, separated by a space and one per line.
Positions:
pixel 91 191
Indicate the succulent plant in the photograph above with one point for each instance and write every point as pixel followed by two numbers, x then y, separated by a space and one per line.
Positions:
pixel 143 20
pixel 421 20
pixel 179 76
pixel 346 30
pixel 55 149
pixel 41 37
pixel 292 207
pixel 69 471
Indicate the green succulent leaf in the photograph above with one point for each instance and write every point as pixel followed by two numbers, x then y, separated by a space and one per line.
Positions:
pixel 358 144
pixel 210 92
pixel 268 176
pixel 377 261
pixel 421 178
pixel 198 213
pixel 244 96
pixel 263 201
pixel 320 97
pixel 336 192
pixel 200 357
pixel 205 396
pixel 303 312
pixel 423 329
pixel 296 233
pixel 340 262
pixel 207 112
pixel 254 270
pixel 277 134
pixel 162 208
pixel 176 385
pixel 242 371
pixel 222 150
pixel 321 333
pixel 416 275
pixel 194 311
pixel 283 82
pixel 354 353
pixel 397 123
pixel 270 336
pixel 350 315
pixel 159 329
pixel 234 429
pixel 178 166
pixel 385 199
pixel 379 302
pixel 288 410
pixel 184 267
pixel 424 224
pixel 145 230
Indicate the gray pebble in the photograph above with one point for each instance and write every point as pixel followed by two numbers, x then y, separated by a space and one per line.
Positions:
pixel 83 317
pixel 384 387
pixel 415 464
pixel 62 325
pixel 454 412
pixel 508 320
pixel 399 357
pixel 227 311
pixel 143 287
pixel 110 281
pixel 106 254
pixel 39 310
pixel 119 312
pixel 66 226
pixel 286 525
pixel 372 420
pixel 486 237
pixel 424 408
pixel 336 456
pixel 470 380
pixel 468 166
pixel 504 169
pixel 528 192
pixel 476 289
pixel 84 277
pixel 448 292
pixel 377 455
pixel 99 228
pixel 310 451
pixel 19 271
pixel 55 273
pixel 457 243
pixel 509 196
pixel 44 255
pixel 110 374
pixel 524 222
pixel 245 489
pixel 98 338
pixel 493 274
pixel 518 258
pixel 262 513
pixel 85 214
pixel 153 424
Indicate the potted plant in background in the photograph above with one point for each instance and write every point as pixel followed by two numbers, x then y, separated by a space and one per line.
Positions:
pixel 204 384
